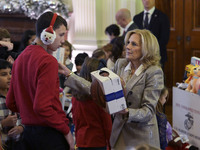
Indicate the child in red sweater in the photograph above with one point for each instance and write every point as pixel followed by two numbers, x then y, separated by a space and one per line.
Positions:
pixel 92 124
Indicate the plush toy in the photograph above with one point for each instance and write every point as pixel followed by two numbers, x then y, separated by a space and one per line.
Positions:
pixel 187 73
pixel 190 72
pixel 195 74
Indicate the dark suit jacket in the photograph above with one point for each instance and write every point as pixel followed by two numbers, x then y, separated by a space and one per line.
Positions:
pixel 132 27
pixel 160 27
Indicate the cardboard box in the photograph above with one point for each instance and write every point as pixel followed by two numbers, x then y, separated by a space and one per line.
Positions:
pixel 112 89
pixel 186 115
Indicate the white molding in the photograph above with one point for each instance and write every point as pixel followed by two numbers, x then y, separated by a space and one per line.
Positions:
pixel 90 18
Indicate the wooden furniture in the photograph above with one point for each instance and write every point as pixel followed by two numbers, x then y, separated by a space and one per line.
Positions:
pixel 184 38
pixel 16 24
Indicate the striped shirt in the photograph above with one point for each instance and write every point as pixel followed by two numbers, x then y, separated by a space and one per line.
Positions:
pixel 4 112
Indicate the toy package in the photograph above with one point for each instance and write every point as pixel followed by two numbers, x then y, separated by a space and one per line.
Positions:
pixel 193 83
pixel 195 61
pixel 191 77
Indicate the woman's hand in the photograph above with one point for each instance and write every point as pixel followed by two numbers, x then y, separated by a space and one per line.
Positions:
pixel 62 69
pixel 125 111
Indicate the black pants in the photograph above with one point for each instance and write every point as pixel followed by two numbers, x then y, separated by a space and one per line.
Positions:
pixel 44 138
pixel 14 145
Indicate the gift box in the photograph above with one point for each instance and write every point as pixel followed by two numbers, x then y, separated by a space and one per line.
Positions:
pixel 111 86
pixel 195 61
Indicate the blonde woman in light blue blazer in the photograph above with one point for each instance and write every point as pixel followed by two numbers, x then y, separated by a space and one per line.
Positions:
pixel 143 79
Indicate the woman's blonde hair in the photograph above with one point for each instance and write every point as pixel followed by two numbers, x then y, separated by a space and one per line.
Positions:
pixel 150 47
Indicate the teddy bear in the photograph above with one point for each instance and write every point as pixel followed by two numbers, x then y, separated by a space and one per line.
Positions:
pixel 194 75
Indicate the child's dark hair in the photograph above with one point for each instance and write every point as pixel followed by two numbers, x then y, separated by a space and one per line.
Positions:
pixel 44 21
pixel 66 43
pixel 79 59
pixel 159 106
pixel 113 29
pixel 4 64
pixel 118 48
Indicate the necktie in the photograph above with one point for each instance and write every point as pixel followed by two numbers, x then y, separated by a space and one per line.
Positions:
pixel 146 20
pixel 124 33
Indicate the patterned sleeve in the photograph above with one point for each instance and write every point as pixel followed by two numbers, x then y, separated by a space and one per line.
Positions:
pixel 162 122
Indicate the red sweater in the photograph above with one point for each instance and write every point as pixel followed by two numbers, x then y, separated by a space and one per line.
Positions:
pixel 34 90
pixel 92 124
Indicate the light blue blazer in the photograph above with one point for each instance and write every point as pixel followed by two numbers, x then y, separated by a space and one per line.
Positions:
pixel 142 94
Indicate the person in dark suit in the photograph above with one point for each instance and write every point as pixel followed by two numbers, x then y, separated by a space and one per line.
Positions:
pixel 123 18
pixel 158 23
